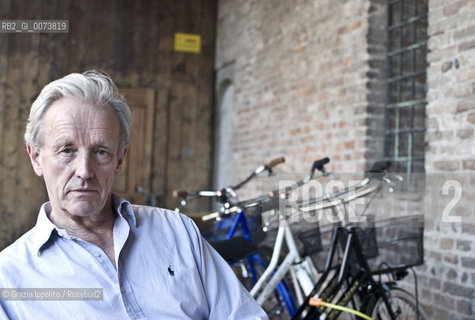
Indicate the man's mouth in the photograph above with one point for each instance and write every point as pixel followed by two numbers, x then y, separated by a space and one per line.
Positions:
pixel 83 191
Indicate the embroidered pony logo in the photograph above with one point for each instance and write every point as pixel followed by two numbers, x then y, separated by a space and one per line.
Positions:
pixel 171 272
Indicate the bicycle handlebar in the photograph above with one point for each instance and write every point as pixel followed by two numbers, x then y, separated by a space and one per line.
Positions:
pixel 184 193
pixel 228 193
pixel 380 166
pixel 271 164
pixel 353 192
pixel 268 201
pixel 267 167
pixel 180 193
pixel 215 215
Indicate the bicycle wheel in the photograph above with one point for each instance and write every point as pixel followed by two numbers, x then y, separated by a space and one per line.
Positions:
pixel 403 304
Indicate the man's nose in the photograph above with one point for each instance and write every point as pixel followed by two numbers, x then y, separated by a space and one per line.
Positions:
pixel 84 165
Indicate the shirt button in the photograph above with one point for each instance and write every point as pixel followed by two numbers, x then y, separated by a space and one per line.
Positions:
pixel 97 254
pixel 122 289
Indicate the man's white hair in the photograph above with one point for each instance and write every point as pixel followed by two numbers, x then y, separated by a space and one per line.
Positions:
pixel 91 87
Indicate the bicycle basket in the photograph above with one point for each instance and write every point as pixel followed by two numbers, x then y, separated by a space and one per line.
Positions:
pixel 396 243
pixel 311 241
pixel 315 243
pixel 368 241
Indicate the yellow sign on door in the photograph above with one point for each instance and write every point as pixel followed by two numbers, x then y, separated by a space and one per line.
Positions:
pixel 186 42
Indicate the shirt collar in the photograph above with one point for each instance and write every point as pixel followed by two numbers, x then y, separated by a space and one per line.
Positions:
pixel 124 208
pixel 44 227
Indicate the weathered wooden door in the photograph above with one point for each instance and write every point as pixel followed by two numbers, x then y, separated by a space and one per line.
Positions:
pixel 137 170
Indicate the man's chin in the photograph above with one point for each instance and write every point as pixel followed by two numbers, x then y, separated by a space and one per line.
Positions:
pixel 85 209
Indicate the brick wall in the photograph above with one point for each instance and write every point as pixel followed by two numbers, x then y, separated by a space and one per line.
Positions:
pixel 451 77
pixel 449 280
pixel 308 84
pixel 300 81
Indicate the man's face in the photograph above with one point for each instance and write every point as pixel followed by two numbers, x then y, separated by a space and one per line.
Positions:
pixel 79 157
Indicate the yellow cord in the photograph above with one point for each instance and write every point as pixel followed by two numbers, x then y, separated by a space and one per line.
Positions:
pixel 317 302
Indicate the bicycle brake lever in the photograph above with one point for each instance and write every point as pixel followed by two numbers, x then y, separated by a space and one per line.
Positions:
pixel 388 181
pixel 397 177
pixel 320 165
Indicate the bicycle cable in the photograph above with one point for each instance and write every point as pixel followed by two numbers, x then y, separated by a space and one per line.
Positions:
pixel 318 302
pixel 416 292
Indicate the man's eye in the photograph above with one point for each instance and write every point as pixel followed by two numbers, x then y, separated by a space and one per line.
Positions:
pixel 67 150
pixel 102 152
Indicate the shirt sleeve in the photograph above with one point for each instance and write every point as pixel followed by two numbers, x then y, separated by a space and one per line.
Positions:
pixel 3 314
pixel 227 298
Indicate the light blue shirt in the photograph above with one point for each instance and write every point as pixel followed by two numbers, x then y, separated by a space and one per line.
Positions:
pixel 165 270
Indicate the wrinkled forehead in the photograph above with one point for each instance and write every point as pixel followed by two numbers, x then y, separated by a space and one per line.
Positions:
pixel 68 116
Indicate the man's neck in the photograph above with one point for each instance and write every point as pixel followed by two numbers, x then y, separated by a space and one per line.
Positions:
pixel 97 229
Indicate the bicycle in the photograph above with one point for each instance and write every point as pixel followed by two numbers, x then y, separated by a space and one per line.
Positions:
pixel 351 280
pixel 300 268
pixel 242 239
pixel 242 247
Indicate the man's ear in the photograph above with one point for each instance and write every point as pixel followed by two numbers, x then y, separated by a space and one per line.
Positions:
pixel 121 159
pixel 34 154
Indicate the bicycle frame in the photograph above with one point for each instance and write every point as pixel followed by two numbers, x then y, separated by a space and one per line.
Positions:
pixel 338 279
pixel 300 270
pixel 240 219
pixel 363 283
pixel 251 259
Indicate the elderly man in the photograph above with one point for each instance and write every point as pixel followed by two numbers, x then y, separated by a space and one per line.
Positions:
pixel 93 255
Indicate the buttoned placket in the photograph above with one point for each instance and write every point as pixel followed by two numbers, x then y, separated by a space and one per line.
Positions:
pixel 120 234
